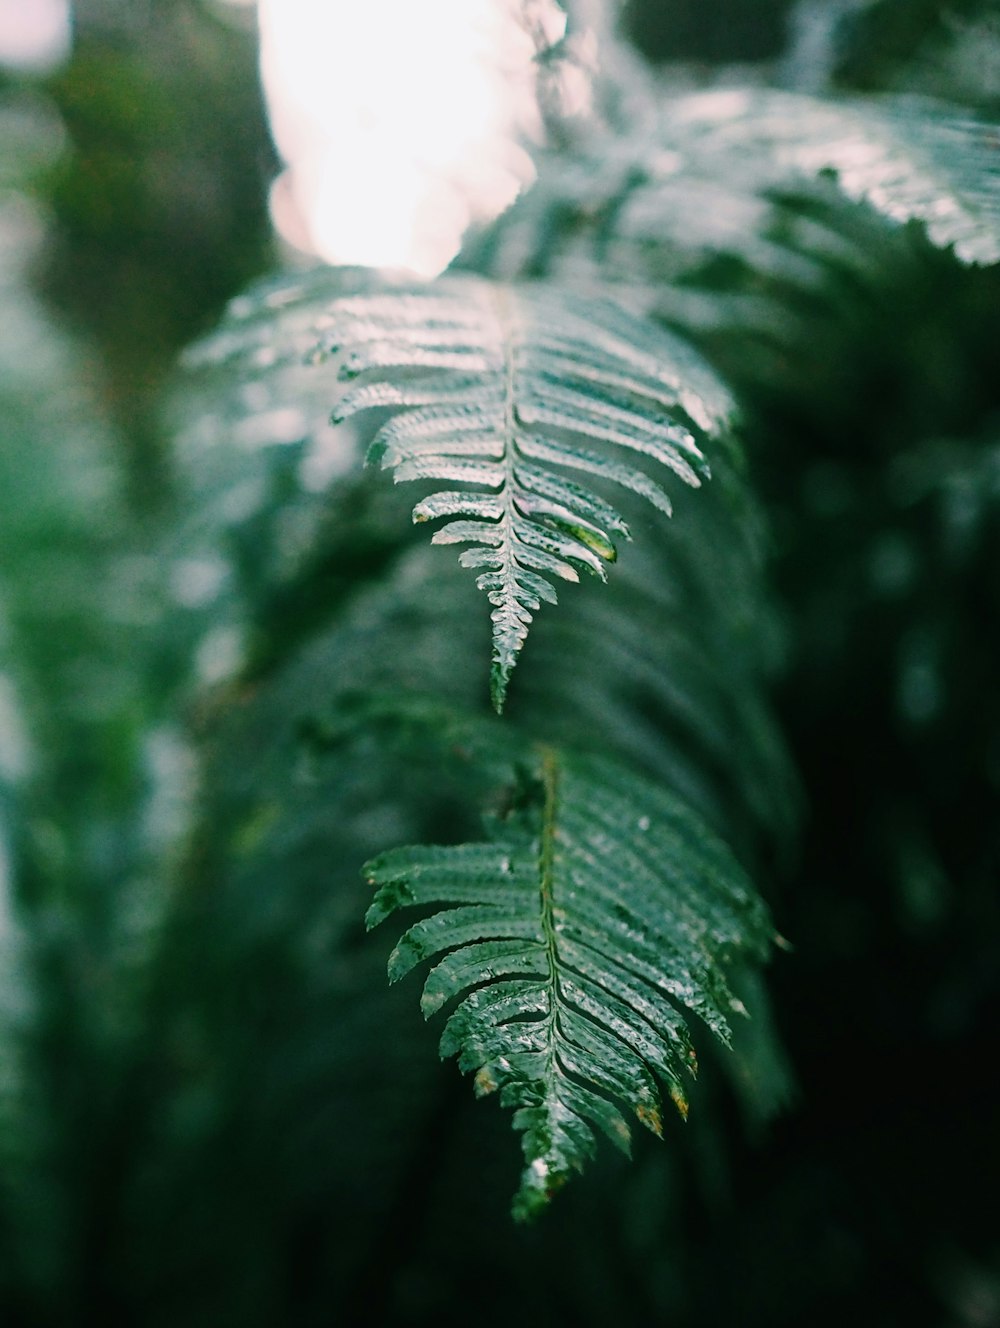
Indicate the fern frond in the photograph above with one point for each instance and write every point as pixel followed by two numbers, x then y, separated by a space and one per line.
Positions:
pixel 733 183
pixel 908 159
pixel 504 393
pixel 574 937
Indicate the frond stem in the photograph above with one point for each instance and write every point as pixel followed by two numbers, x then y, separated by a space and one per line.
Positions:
pixel 505 319
pixel 546 881
pixel 546 854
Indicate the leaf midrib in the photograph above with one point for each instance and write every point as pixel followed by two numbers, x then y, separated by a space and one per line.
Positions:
pixel 506 323
pixel 546 888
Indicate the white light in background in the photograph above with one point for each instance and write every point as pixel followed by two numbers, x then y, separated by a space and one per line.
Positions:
pixel 34 34
pixel 397 119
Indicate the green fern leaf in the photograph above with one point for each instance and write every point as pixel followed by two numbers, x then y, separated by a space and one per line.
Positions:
pixel 910 160
pixel 514 396
pixel 572 940
pixel 731 180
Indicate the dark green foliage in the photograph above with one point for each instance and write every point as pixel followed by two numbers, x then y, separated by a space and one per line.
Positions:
pixel 721 31
pixel 921 44
pixel 490 387
pixel 644 673
pixel 213 1108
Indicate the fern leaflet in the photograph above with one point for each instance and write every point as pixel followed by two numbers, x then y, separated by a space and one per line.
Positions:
pixel 910 160
pixel 723 175
pixel 504 393
pixel 574 936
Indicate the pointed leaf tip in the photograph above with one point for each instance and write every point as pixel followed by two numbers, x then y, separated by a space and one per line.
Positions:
pixel 499 682
pixel 485 1082
pixel 539 1186
pixel 649 1114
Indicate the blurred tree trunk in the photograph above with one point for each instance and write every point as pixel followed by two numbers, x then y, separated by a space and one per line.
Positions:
pixel 159 202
